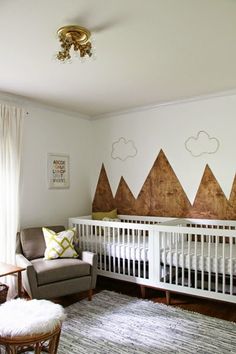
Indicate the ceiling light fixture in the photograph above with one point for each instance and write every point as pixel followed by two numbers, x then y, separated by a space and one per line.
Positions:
pixel 74 36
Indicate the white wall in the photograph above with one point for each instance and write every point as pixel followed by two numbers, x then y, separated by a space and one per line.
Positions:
pixel 47 131
pixel 168 127
pixel 89 144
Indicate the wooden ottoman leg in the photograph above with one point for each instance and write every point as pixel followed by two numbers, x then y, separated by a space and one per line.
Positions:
pixel 53 345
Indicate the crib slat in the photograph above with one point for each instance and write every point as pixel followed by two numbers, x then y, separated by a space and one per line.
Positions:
pixel 177 258
pixel 171 255
pixel 216 264
pixel 123 247
pixel 86 237
pixel 128 246
pixel 231 264
pixel 90 236
pixel 90 239
pixel 118 246
pixel 202 261
pixel 82 235
pixel 134 253
pixel 189 261
pixel 209 263
pixel 223 256
pixel 139 255
pixel 195 253
pixel 99 236
pixel 109 248
pixel 182 239
pixel 103 247
pixel 144 255
pixel 113 233
pixel 164 239
pixel 94 238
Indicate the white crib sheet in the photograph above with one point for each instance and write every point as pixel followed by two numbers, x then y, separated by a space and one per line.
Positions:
pixel 200 262
pixel 133 251
pixel 140 252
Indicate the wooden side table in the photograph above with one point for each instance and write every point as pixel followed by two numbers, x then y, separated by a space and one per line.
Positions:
pixel 9 269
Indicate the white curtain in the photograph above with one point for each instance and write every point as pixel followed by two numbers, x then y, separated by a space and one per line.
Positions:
pixel 11 126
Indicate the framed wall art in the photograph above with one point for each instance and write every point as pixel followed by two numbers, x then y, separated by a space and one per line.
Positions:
pixel 58 171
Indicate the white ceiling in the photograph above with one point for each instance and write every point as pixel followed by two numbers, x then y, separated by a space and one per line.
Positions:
pixel 148 52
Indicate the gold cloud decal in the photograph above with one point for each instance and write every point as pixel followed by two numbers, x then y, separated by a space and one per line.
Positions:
pixel 122 149
pixel 202 144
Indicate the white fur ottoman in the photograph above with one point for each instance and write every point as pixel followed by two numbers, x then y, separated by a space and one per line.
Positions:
pixel 33 325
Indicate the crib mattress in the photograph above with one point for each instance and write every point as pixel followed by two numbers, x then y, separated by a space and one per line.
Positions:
pixel 200 261
pixel 134 251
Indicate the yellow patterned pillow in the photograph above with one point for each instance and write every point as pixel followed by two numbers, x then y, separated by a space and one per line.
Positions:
pixel 59 245
pixel 99 215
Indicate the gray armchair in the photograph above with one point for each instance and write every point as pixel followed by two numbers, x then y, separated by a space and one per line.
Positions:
pixel 45 279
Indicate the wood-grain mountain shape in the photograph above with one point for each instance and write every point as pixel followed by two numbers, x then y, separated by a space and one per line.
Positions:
pixel 210 201
pixel 162 193
pixel 124 199
pixel 232 201
pixel 103 198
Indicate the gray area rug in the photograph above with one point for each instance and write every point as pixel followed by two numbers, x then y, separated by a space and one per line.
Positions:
pixel 115 323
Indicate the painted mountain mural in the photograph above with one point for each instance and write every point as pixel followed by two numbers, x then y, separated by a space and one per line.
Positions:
pixel 163 195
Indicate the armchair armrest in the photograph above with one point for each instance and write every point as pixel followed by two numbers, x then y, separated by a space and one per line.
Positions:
pixel 89 257
pixel 23 262
pixel 29 275
pixel 92 259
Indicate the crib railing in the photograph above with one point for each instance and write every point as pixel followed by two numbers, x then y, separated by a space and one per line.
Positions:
pixel 122 247
pixel 147 220
pixel 173 254
pixel 200 261
pixel 211 224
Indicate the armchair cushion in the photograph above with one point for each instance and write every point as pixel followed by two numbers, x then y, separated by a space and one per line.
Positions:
pixel 32 241
pixel 55 270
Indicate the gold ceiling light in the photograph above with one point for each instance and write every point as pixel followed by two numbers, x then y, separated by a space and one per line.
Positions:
pixel 74 36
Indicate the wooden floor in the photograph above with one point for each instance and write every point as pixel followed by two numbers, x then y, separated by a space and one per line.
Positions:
pixel 218 309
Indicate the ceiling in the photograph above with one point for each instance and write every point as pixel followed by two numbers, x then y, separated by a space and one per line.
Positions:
pixel 148 52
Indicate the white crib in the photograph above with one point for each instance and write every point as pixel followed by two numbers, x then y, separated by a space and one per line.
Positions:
pixel 191 256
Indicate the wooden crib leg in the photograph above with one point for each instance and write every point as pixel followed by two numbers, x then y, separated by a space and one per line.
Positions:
pixel 167 297
pixel 143 291
pixel 90 293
